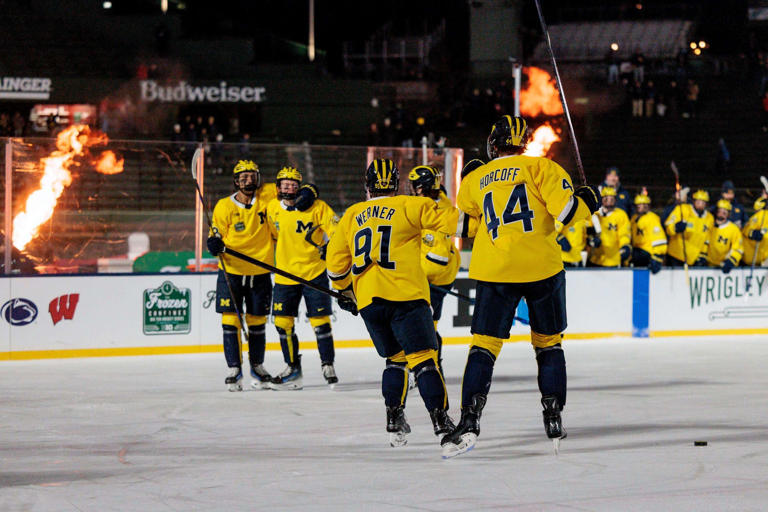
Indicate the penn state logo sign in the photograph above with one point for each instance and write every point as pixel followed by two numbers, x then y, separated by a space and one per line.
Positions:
pixel 19 311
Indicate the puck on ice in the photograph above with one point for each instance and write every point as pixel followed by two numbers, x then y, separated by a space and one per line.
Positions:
pixel 699 443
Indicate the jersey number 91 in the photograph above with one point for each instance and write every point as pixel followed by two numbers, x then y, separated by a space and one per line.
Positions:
pixel 364 245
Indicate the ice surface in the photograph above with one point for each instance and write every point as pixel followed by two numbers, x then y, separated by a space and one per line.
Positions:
pixel 161 433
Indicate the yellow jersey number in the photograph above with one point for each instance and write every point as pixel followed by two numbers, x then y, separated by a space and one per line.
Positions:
pixel 518 195
pixel 364 245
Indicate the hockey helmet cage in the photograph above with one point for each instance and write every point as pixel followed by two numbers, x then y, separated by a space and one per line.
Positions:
pixel 507 134
pixel 424 176
pixel 471 166
pixel 702 195
pixel 246 166
pixel 382 175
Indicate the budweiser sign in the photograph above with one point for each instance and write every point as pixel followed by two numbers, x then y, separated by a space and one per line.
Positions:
pixel 183 92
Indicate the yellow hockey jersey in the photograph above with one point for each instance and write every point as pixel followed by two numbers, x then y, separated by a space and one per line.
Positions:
pixel 757 221
pixel 576 235
pixel 648 235
pixel 615 234
pixel 377 247
pixel 724 242
pixel 290 228
pixel 518 199
pixel 244 228
pixel 696 234
pixel 440 259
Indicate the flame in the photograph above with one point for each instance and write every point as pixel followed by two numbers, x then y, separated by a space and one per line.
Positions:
pixel 541 95
pixel 70 143
pixel 541 140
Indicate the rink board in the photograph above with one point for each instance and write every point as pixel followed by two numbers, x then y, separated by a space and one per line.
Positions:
pixel 74 316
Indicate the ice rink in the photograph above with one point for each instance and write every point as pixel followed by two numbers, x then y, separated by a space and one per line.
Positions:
pixel 161 433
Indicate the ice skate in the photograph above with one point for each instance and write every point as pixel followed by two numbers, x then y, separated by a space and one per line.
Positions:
pixel 441 422
pixel 261 377
pixel 397 426
pixel 289 379
pixel 329 372
pixel 464 437
pixel 234 380
pixel 553 423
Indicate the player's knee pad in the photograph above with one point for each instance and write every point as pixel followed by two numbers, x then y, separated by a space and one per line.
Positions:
pixel 489 343
pixel 394 383
pixel 419 357
pixel 255 321
pixel 284 324
pixel 322 327
pixel 230 319
pixel 545 340
pixel 317 321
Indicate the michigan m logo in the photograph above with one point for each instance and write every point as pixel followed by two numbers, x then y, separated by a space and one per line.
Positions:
pixel 300 226
pixel 277 306
pixel 225 303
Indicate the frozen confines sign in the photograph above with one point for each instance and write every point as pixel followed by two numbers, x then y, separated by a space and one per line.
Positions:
pixel 183 92
pixel 25 88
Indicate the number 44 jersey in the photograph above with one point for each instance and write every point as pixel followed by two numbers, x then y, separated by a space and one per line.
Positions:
pixel 517 199
pixel 377 247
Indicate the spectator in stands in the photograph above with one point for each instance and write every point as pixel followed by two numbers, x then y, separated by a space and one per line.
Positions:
pixel 613 180
pixel 673 96
pixel 738 213
pixel 613 66
pixel 661 106
pixel 723 158
pixel 245 144
pixel 691 99
pixel 374 137
pixel 649 96
pixel 638 61
pixel 5 125
pixel 636 95
pixel 19 124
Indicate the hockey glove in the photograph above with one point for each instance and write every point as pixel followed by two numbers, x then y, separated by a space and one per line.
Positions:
pixel 306 196
pixel 756 235
pixel 564 244
pixel 590 195
pixel 322 249
pixel 625 251
pixel 215 245
pixel 701 261
pixel 654 266
pixel 348 302
pixel 595 242
pixel 680 226
pixel 471 166
pixel 728 265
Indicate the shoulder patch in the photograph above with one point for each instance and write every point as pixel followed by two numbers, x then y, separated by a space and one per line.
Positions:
pixel 566 185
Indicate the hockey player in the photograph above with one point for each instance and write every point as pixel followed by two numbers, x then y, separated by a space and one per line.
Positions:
pixel 692 224
pixel 239 222
pixel 375 259
pixel 649 243
pixel 515 256
pixel 573 242
pixel 440 260
pixel 304 258
pixel 612 246
pixel 754 234
pixel 724 247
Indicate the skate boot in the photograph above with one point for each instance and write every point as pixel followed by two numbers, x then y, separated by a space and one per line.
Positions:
pixel 329 372
pixel 290 378
pixel 464 436
pixel 553 423
pixel 235 379
pixel 441 422
pixel 261 377
pixel 397 426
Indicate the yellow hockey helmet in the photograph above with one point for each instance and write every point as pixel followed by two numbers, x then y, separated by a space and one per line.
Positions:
pixel 288 173
pixel 507 134
pixel 608 192
pixel 642 199
pixel 382 175
pixel 425 176
pixel 246 166
pixel 724 204
pixel 703 195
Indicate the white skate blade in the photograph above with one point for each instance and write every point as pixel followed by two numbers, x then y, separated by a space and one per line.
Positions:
pixel 397 439
pixel 467 442
pixel 235 387
pixel 287 386
pixel 556 446
pixel 332 386
pixel 259 384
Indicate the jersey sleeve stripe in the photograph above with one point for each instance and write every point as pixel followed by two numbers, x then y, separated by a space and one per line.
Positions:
pixel 338 277
pixel 569 211
pixel 436 258
pixel 658 243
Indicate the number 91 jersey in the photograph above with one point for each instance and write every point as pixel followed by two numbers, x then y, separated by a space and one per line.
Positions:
pixel 377 247
pixel 518 198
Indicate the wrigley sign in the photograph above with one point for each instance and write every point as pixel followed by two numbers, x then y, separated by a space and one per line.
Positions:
pixel 183 92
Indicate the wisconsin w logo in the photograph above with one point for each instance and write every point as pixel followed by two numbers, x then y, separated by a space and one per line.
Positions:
pixel 63 307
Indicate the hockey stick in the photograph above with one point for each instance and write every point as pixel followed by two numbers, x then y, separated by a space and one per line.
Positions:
pixel 322 289
pixel 195 159
pixel 576 152
pixel 673 166
pixel 470 300
pixel 764 181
